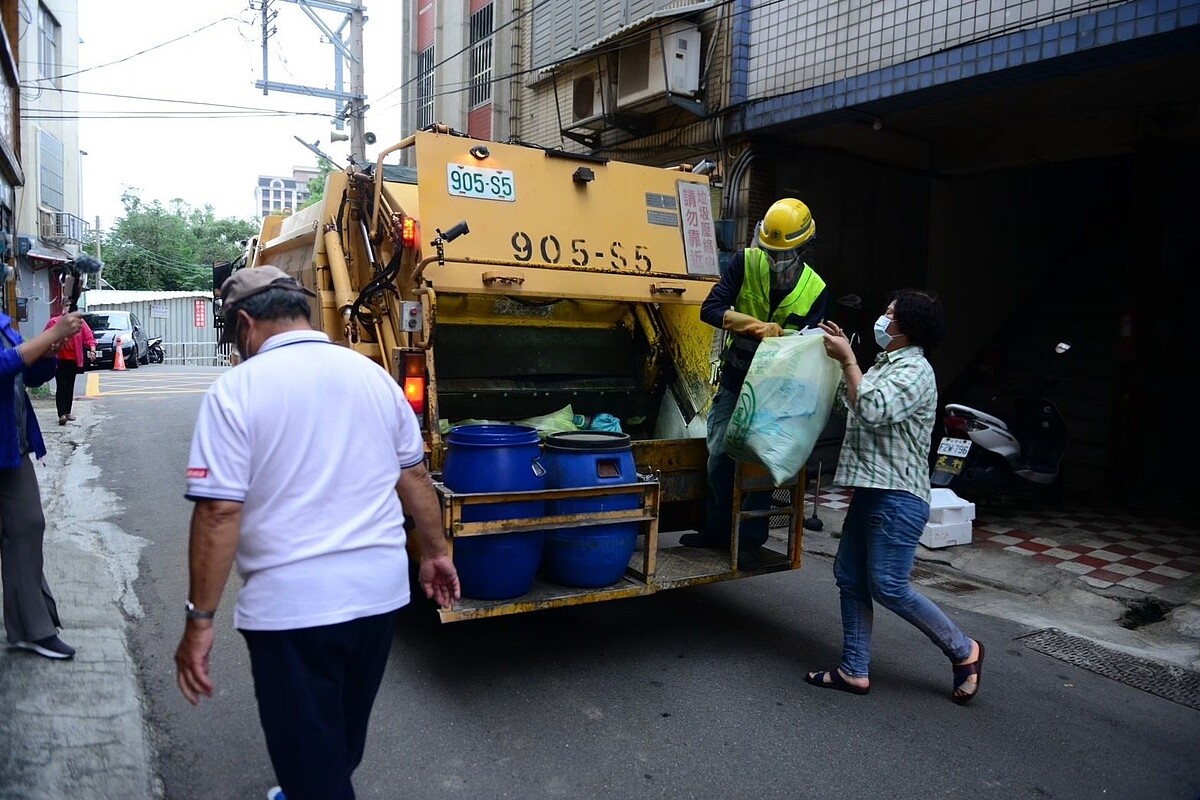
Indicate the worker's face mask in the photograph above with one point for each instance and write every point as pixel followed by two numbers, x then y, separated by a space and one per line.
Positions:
pixel 882 337
pixel 785 261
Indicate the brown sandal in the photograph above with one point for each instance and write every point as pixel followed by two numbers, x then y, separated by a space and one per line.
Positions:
pixel 961 674
pixel 62 420
pixel 836 681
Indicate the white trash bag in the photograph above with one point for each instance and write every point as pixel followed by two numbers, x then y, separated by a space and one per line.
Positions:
pixel 784 404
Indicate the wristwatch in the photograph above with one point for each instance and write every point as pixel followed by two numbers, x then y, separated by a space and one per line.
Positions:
pixel 191 612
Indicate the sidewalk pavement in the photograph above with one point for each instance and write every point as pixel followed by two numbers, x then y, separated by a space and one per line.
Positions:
pixel 1082 571
pixel 75 729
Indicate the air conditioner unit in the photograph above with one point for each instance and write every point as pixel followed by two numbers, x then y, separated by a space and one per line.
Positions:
pixel 667 61
pixel 59 226
pixel 591 97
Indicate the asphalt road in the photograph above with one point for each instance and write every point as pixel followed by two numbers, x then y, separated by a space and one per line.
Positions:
pixel 695 693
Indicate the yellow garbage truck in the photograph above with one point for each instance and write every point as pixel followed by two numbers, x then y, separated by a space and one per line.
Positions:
pixel 541 310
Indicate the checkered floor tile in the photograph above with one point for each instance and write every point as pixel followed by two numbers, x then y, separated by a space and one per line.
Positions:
pixel 1104 550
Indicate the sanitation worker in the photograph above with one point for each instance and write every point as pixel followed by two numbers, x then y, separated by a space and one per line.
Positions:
pixel 766 290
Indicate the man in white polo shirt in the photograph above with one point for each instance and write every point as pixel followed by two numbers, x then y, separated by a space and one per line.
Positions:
pixel 304 461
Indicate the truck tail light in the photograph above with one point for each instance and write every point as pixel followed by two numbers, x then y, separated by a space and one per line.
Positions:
pixel 414 381
pixel 408 232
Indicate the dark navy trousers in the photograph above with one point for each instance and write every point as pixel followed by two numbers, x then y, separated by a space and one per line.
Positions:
pixel 315 688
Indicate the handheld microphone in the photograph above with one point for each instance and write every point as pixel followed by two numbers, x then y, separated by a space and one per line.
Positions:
pixel 82 266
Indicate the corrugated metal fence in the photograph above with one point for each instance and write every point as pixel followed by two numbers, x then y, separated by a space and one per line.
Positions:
pixel 184 321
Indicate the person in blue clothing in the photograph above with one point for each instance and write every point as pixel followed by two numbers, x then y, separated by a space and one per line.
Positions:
pixel 764 291
pixel 30 615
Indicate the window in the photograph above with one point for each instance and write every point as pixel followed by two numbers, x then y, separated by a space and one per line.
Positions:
pixel 50 163
pixel 481 56
pixel 49 35
pixel 425 87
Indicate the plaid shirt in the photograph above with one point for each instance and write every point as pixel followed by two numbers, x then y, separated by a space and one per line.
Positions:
pixel 888 433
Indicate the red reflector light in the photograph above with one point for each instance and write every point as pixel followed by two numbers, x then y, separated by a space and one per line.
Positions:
pixel 408 232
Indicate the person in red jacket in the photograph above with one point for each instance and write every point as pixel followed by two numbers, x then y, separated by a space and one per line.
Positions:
pixel 71 353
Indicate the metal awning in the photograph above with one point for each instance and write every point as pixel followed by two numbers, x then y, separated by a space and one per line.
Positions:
pixel 49 257
pixel 626 31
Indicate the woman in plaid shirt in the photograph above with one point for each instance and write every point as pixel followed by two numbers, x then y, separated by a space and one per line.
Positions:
pixel 891 410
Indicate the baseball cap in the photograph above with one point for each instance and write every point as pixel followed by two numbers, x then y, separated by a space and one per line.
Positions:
pixel 246 283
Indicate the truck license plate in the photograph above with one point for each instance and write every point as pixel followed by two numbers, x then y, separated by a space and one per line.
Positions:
pixel 954 447
pixel 463 180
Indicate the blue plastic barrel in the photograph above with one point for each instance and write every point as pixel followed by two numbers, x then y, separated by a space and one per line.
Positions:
pixel 496 458
pixel 595 555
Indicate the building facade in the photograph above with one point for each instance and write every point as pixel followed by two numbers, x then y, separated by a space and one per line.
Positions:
pixel 276 194
pixel 1026 159
pixel 51 229
pixel 12 176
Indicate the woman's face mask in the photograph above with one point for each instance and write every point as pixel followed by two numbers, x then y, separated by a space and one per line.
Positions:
pixel 882 337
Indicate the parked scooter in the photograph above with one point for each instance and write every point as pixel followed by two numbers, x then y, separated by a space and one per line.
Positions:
pixel 154 353
pixel 984 456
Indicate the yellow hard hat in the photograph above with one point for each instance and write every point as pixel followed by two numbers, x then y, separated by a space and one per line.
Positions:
pixel 787 224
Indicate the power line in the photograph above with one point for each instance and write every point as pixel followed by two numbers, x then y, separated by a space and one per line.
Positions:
pixel 157 259
pixel 141 52
pixel 172 100
pixel 180 115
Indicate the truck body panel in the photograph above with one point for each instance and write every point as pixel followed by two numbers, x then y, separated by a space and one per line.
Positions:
pixel 503 282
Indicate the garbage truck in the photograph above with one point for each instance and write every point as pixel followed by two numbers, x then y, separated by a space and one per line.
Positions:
pixel 540 309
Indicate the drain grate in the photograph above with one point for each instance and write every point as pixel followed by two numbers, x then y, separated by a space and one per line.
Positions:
pixel 928 577
pixel 1165 680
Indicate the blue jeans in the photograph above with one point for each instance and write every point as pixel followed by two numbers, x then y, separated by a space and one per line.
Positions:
pixel 875 561
pixel 718 521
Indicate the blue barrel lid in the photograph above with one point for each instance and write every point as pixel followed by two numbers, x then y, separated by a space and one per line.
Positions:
pixel 493 435
pixel 590 441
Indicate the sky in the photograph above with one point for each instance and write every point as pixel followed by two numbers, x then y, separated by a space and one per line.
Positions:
pixel 165 149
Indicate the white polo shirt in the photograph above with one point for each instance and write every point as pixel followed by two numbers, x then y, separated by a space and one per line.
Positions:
pixel 310 438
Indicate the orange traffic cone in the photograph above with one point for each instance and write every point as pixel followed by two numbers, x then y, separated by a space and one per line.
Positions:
pixel 118 355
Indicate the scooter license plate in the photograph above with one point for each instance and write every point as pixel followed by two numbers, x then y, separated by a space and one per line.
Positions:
pixel 949 465
pixel 954 447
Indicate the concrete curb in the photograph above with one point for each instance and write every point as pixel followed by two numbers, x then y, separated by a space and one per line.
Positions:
pixel 76 728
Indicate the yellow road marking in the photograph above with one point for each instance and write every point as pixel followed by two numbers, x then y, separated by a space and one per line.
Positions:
pixel 177 383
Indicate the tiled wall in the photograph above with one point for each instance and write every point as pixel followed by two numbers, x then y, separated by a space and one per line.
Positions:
pixel 798 45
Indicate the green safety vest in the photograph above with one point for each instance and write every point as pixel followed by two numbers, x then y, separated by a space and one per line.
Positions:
pixel 754 299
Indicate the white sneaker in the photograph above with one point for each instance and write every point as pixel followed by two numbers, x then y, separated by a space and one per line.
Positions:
pixel 50 647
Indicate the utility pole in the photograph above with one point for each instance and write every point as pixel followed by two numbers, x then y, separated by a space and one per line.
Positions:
pixel 357 106
pixel 349 106
pixel 97 230
pixel 267 31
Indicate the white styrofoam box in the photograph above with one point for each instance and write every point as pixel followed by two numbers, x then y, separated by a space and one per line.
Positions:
pixel 945 534
pixel 947 507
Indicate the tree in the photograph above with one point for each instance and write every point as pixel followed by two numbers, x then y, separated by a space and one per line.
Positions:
pixel 316 186
pixel 169 248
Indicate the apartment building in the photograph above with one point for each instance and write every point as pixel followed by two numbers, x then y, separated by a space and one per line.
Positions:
pixel 276 194
pixel 11 174
pixel 1029 160
pixel 50 227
